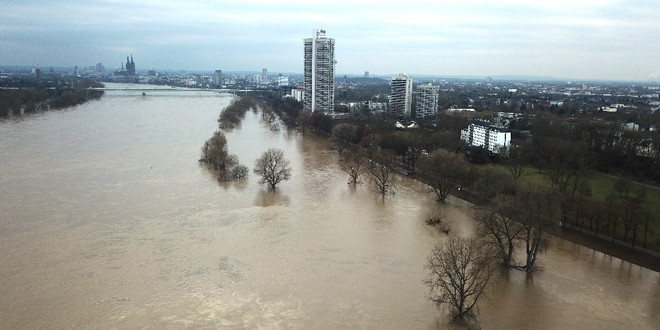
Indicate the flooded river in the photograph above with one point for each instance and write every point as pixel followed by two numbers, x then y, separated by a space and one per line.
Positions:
pixel 108 221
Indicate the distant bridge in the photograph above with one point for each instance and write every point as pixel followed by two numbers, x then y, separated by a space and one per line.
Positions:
pixel 170 89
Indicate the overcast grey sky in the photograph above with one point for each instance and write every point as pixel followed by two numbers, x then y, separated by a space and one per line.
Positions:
pixel 588 39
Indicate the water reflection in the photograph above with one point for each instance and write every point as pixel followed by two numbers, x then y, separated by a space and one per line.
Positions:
pixel 269 197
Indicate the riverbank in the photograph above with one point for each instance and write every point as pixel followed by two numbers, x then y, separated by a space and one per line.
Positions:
pixel 24 100
pixel 640 258
pixel 604 246
pixel 636 257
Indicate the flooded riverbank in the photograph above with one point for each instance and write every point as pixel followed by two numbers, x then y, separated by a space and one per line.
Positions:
pixel 107 220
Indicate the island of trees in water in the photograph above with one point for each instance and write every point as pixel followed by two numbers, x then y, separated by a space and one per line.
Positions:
pixel 272 166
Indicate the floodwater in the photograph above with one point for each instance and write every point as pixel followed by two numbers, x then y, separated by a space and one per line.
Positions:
pixel 108 221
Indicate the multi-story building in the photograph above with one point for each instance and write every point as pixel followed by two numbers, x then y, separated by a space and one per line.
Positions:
pixel 264 75
pixel 297 94
pixel 319 71
pixel 401 96
pixel 427 100
pixel 484 134
pixel 217 77
pixel 282 80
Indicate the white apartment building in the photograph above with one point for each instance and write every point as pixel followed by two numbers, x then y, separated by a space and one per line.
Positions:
pixel 319 73
pixel 484 134
pixel 427 100
pixel 401 96
pixel 297 94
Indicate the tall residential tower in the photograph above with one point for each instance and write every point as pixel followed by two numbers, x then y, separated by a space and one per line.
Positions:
pixel 427 100
pixel 319 86
pixel 401 96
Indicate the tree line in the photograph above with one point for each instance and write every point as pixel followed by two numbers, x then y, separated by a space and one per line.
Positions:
pixel 272 166
pixel 41 96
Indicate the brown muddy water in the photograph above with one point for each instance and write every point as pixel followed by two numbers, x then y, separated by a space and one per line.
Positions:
pixel 108 221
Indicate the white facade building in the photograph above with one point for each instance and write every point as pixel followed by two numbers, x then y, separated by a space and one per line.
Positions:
pixel 319 73
pixel 282 80
pixel 401 96
pixel 297 94
pixel 486 135
pixel 427 100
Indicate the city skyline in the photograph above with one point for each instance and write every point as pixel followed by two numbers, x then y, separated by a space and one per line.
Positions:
pixel 601 40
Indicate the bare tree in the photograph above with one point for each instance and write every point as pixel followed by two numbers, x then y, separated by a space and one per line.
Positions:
pixel 515 163
pixel 458 274
pixel 343 134
pixel 442 170
pixel 534 211
pixel 380 171
pixel 304 120
pixel 498 226
pixel 272 167
pixel 354 164
pixel 565 163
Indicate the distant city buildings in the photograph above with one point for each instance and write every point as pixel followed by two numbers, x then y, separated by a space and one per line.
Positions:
pixel 264 75
pixel 319 73
pixel 486 135
pixel 401 96
pixel 427 100
pixel 92 69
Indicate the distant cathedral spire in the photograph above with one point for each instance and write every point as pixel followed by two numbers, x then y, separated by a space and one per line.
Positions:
pixel 130 65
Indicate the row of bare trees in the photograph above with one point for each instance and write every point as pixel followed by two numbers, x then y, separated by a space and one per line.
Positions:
pixel 233 114
pixel 624 215
pixel 272 166
pixel 521 219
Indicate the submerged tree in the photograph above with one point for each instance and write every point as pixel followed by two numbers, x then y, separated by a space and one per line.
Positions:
pixel 232 115
pixel 342 135
pixel 272 167
pixel 380 171
pixel 354 164
pixel 442 171
pixel 239 172
pixel 458 274
pixel 214 150
pixel 214 153
pixel 534 206
pixel 500 229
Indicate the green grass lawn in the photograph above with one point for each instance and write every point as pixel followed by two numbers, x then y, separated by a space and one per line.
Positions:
pixel 602 186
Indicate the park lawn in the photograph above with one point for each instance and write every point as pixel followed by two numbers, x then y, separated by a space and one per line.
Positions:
pixel 602 186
